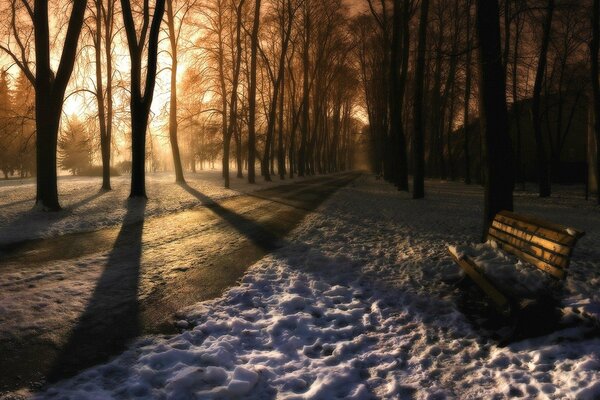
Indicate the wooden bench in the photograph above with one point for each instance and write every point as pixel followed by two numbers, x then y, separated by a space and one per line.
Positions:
pixel 539 243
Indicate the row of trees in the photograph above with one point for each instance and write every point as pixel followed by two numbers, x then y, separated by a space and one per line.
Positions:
pixel 281 84
pixel 269 82
pixel 546 67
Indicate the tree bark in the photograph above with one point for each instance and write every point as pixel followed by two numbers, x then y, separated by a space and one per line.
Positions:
pixel 103 123
pixel 500 174
pixel 516 109
pixel 467 98
pixel 141 101
pixel 399 52
pixel 234 95
pixel 173 39
pixel 594 52
pixel 305 95
pixel 252 96
pixel 542 158
pixel 221 64
pixel 280 148
pixel 49 96
pixel 419 173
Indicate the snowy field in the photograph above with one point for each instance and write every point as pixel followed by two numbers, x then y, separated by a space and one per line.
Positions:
pixel 355 306
pixel 85 208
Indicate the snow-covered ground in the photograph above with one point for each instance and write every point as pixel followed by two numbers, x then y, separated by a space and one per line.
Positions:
pixel 87 209
pixel 355 306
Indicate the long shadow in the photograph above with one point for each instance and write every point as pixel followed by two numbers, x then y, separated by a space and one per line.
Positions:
pixel 111 317
pixel 256 233
pixel 17 202
pixel 49 219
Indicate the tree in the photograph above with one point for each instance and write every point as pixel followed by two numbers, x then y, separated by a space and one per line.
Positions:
pixel 305 89
pixel 499 184
pixel 174 34
pixel 419 170
pixel 50 86
pixel 252 95
pixel 233 104
pixel 285 21
pixel 104 18
pixel 24 125
pixel 467 98
pixel 75 148
pixel 542 158
pixel 7 138
pixel 141 101
pixel 399 59
pixel 595 77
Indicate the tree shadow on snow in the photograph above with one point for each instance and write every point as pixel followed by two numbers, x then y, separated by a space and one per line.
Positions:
pixel 111 317
pixel 43 221
pixel 256 233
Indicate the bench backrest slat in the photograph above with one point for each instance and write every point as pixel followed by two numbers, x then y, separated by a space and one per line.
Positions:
pixel 546 245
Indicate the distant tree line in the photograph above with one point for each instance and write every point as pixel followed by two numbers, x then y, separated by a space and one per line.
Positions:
pixel 546 65
pixel 276 87
pixel 450 98
pixel 268 85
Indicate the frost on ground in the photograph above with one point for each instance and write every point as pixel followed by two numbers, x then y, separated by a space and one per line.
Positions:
pixel 85 208
pixel 354 306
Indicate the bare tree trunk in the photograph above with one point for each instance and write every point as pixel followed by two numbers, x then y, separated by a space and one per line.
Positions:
pixel 49 96
pixel 419 173
pixel 234 95
pixel 173 39
pixel 221 65
pixel 252 96
pixel 305 96
pixel 280 148
pixel 467 97
pixel 239 163
pixel 507 23
pixel 103 123
pixel 516 109
pixel 140 103
pixel 542 159
pixel 594 52
pixel 500 174
pixel 396 95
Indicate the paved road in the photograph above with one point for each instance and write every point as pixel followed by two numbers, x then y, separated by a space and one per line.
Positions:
pixel 153 268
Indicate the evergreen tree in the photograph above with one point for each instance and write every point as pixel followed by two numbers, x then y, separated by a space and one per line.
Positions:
pixel 7 138
pixel 74 148
pixel 24 120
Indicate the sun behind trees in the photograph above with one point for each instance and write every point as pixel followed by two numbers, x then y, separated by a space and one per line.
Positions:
pixel 296 87
pixel 281 92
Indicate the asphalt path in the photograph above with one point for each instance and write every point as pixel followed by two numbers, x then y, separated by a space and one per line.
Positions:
pixel 153 268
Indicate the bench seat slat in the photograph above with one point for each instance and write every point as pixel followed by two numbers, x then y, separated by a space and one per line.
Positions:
pixel 536 240
pixel 532 249
pixel 560 237
pixel 558 273
pixel 537 222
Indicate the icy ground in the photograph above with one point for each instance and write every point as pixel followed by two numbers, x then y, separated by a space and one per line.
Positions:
pixel 355 307
pixel 87 209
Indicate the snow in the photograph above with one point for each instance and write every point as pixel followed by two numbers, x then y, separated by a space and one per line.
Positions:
pixel 506 271
pixel 85 208
pixel 355 305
